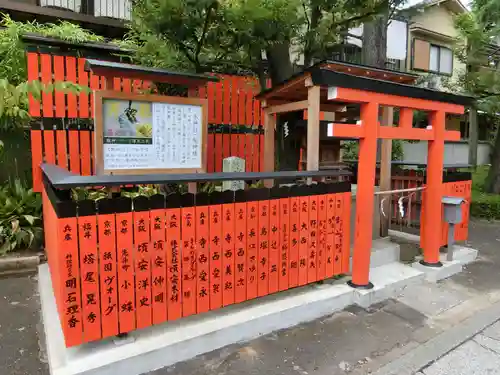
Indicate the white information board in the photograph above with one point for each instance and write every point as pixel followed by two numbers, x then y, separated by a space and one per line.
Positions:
pixel 140 133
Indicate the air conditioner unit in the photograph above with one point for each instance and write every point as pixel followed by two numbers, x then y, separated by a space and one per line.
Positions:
pixel 73 5
pixel 120 9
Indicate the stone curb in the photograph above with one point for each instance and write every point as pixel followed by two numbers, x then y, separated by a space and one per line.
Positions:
pixel 11 266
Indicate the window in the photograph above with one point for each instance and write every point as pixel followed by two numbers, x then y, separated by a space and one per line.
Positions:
pixel 431 57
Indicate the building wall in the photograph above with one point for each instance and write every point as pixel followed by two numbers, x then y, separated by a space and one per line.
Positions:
pixel 454 153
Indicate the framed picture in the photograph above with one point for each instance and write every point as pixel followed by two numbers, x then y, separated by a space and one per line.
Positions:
pixel 139 134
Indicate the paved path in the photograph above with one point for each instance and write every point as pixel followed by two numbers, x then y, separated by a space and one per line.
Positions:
pixel 356 341
pixel 477 356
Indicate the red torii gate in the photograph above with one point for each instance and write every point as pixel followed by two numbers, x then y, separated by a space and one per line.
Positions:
pixel 316 88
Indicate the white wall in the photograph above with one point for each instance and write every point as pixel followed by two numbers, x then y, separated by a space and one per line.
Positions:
pixel 455 153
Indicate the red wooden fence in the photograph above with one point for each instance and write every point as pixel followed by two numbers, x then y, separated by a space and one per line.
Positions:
pixel 64 134
pixel 120 264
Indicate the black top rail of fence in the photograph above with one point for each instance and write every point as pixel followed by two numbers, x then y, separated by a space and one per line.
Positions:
pixel 62 179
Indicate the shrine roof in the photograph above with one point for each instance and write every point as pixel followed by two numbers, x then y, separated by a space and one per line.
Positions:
pixel 294 89
pixel 114 69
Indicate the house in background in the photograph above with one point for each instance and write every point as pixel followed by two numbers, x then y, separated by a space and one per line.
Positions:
pixel 430 53
pixel 104 17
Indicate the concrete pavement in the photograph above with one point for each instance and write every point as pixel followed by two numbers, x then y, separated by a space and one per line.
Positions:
pixel 355 341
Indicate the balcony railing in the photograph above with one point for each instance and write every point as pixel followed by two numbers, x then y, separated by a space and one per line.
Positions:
pixel 119 9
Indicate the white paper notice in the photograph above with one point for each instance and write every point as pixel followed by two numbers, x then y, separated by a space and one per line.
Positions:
pixel 143 135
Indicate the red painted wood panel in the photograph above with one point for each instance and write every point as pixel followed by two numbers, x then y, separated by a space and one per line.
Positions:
pixel 71 77
pixel 33 75
pixel 218 103
pixel 74 151
pixel 211 102
pixel 284 233
pixel 36 158
pixel 226 88
pixel 303 239
pixel 331 205
pixel 108 267
pixel 94 85
pixel 256 158
pixel 312 263
pixel 126 283
pixel 174 263
pixel 249 152
pixel 72 325
pixel 293 277
pixel 249 104
pixel 218 152
pixel 83 80
pixel 274 245
pixel 346 232
pixel 215 212
pixel 49 146
pixel 89 266
pixel 240 248
pixel 338 230
pixel 228 238
pixel 210 153
pixel 234 81
pixel 241 146
pixel 59 96
pixel 158 266
pixel 62 156
pixel 252 248
pixel 46 78
pixel 322 234
pixel 142 260
pixel 203 261
pixel 188 251
pixel 261 153
pixel 241 100
pixel 85 152
pixel 234 144
pixel 263 251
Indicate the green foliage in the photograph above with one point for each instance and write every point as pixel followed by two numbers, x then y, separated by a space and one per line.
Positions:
pixel 14 87
pixel 351 150
pixel 20 217
pixel 483 205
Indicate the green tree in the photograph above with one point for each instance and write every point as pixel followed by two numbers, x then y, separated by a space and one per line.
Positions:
pixel 478 48
pixel 247 36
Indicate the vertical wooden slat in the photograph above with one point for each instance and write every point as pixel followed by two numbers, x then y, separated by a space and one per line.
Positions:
pixel 263 251
pixel 49 146
pixel 210 153
pixel 284 233
pixel 158 261
pixel 226 146
pixel 234 80
pixel 85 152
pixel 173 258
pixel 249 103
pixel 338 232
pixel 215 256
pixel 70 280
pixel 203 260
pixel 241 100
pixel 62 156
pixel 71 77
pixel 126 283
pixel 74 150
pixel 228 238
pixel 188 251
pixel 249 155
pixel 218 152
pixel 256 156
pixel 36 158
pixel 346 232
pixel 252 248
pixel 211 102
pixel 240 248
pixel 83 80
pixel 261 153
pixel 142 260
pixel 59 101
pixel 108 267
pixel 322 222
pixel 94 85
pixel 303 239
pixel 89 266
pixel 33 75
pixel 234 143
pixel 47 96
pixel 226 88
pixel 312 266
pixel 256 113
pixel 331 205
pixel 218 103
pixel 126 85
pixel 274 245
pixel 241 147
pixel 293 274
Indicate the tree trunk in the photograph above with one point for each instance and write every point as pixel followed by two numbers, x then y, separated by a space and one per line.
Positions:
pixel 375 42
pixel 492 184
pixel 286 147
